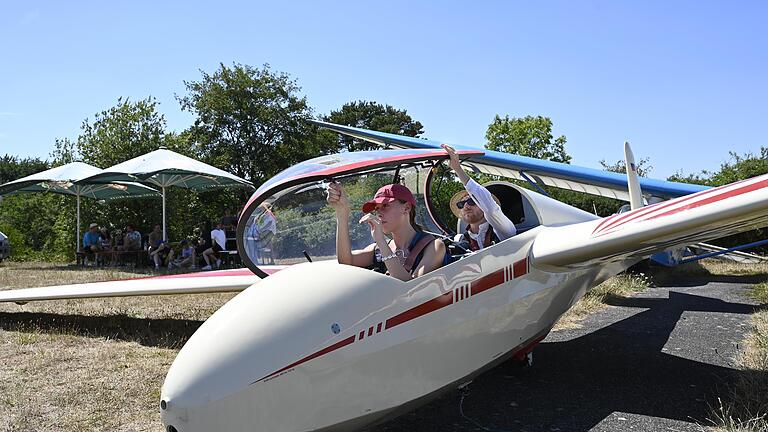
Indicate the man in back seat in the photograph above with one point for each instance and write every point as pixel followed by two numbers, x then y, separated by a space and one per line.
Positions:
pixel 479 209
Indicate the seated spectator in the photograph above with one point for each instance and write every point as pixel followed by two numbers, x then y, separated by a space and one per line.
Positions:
pixel 132 240
pixel 106 253
pixel 218 244
pixel 91 242
pixel 162 254
pixel 155 238
pixel 187 256
pixel 118 239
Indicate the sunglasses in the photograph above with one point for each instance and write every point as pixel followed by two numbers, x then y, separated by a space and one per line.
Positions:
pixel 468 201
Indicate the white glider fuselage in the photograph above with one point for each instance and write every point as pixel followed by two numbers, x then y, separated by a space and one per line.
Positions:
pixel 324 346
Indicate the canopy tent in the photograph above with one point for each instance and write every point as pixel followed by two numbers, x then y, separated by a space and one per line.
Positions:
pixel 164 168
pixel 67 180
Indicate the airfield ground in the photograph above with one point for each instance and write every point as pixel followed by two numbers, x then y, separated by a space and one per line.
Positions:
pixel 626 357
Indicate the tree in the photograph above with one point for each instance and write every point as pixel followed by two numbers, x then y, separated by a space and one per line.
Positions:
pixel 738 168
pixel 620 166
pixel 31 237
pixel 373 116
pixel 527 136
pixel 14 168
pixel 127 130
pixel 250 121
pixel 124 131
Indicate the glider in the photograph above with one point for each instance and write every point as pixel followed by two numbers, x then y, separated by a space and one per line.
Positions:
pixel 319 346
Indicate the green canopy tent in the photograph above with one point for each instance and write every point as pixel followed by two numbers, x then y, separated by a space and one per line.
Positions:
pixel 164 168
pixel 67 180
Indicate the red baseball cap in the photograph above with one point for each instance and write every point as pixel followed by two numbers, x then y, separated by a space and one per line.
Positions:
pixel 387 194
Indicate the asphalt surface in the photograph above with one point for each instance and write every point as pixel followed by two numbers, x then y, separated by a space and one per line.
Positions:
pixel 653 362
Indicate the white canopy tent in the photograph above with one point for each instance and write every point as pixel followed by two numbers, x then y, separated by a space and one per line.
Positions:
pixel 67 180
pixel 165 168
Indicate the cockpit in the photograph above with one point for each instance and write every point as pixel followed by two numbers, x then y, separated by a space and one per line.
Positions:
pixel 287 220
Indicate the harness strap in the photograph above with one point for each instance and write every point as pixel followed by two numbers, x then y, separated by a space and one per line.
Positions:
pixel 416 251
pixel 490 238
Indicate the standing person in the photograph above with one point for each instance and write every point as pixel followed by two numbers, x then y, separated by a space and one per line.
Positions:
pixel 91 242
pixel 218 244
pixel 411 252
pixel 260 233
pixel 478 208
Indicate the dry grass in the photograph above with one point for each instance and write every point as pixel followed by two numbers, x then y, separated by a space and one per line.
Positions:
pixel 93 364
pixel 746 408
pixel 715 267
pixel 98 364
pixel 621 285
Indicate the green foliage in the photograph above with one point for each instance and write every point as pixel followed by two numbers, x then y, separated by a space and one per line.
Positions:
pixel 13 168
pixel 38 236
pixel 125 131
pixel 643 166
pixel 738 168
pixel 251 122
pixel 373 116
pixel 527 136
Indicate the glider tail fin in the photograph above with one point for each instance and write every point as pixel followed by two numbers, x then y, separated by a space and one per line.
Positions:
pixel 635 194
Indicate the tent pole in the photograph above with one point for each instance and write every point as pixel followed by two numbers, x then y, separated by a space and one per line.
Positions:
pixel 77 240
pixel 165 235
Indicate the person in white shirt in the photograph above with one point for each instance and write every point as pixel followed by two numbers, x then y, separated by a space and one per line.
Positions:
pixel 218 244
pixel 479 209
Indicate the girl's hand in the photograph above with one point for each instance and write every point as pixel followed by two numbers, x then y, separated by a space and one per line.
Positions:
pixel 375 224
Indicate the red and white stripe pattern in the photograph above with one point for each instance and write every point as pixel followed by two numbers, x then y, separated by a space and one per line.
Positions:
pixel 463 292
pixel 667 208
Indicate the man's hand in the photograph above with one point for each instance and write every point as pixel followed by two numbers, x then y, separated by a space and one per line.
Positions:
pixel 455 164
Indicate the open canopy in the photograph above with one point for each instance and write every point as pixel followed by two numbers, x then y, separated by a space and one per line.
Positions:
pixel 288 215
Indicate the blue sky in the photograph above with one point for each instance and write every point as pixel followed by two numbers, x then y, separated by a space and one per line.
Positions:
pixel 684 82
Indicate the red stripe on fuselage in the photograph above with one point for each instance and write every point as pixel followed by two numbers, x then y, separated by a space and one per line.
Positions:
pixel 422 309
pixel 326 350
pixel 482 284
pixel 488 281
pixel 520 268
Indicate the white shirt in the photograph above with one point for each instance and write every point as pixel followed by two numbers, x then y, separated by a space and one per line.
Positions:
pixel 502 226
pixel 480 236
pixel 220 237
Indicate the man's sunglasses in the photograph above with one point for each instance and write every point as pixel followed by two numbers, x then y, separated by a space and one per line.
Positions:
pixel 468 201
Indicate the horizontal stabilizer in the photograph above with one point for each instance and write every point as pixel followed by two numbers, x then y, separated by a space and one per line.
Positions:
pixel 189 283
pixel 702 216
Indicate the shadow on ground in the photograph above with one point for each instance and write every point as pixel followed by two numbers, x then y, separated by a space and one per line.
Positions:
pixel 576 384
pixel 162 333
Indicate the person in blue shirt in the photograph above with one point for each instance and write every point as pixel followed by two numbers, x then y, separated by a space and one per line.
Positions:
pixel 92 239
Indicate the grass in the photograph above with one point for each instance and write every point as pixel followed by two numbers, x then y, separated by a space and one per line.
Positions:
pixel 98 364
pixel 622 285
pixel 746 407
pixel 91 364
